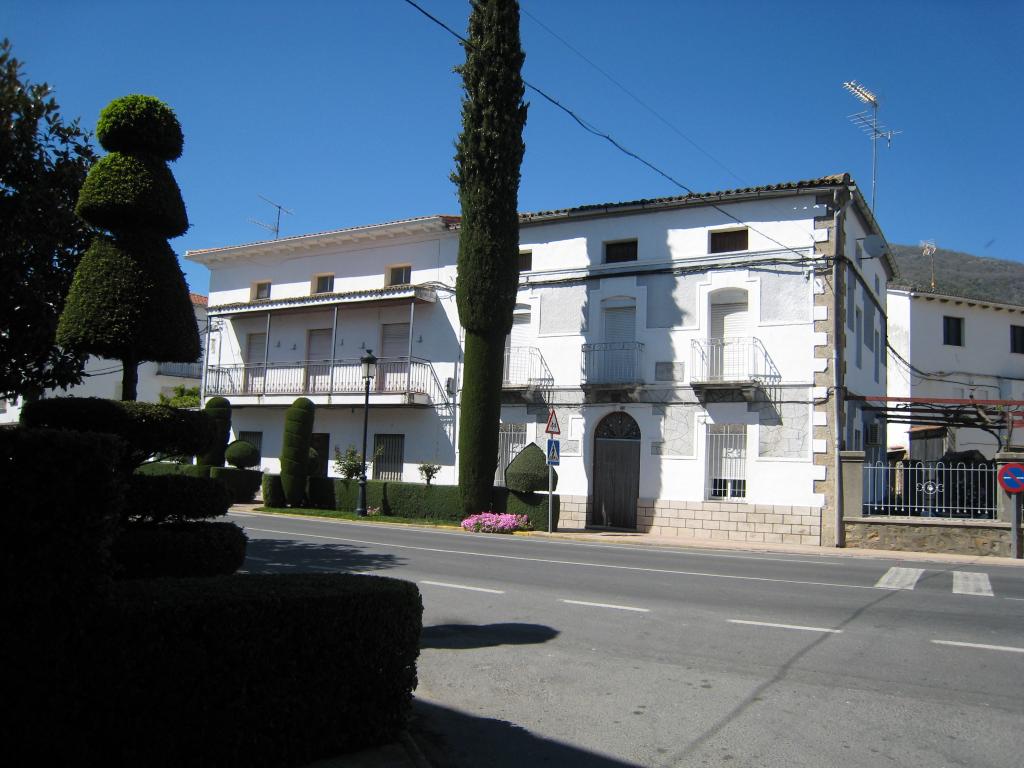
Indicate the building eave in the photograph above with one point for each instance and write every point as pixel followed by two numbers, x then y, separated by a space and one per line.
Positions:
pixel 403 293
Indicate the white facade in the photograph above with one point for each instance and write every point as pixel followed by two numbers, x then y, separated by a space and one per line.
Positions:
pixel 102 377
pixel 953 347
pixel 685 345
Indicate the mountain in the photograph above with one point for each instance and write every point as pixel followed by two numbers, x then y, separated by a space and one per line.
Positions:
pixel 960 274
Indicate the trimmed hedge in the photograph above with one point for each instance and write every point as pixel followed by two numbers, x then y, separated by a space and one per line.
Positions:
pixel 430 502
pixel 242 483
pixel 533 505
pixel 154 468
pixel 178 550
pixel 137 123
pixel 219 411
pixel 528 471
pixel 253 671
pixel 60 517
pixel 273 491
pixel 241 454
pixel 148 429
pixel 175 498
pixel 132 192
pixel 295 458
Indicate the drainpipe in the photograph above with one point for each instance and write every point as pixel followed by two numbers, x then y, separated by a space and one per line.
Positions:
pixel 838 224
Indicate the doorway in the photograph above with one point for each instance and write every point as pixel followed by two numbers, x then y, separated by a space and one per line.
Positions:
pixel 616 472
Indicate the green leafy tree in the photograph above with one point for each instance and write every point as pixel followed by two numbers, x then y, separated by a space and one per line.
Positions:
pixel 181 397
pixel 128 299
pixel 43 163
pixel 488 156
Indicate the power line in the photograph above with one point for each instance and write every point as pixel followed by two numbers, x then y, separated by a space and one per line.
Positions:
pixel 671 126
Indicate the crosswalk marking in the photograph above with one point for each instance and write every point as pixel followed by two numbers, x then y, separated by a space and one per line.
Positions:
pixel 971 583
pixel 900 578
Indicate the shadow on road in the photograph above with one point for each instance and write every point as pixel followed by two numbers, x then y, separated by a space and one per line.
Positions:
pixel 284 555
pixel 453 739
pixel 464 636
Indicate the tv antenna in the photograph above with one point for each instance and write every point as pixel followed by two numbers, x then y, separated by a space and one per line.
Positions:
pixel 276 226
pixel 867 121
pixel 928 248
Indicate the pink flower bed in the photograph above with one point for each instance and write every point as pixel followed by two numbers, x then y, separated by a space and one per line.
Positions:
pixel 491 522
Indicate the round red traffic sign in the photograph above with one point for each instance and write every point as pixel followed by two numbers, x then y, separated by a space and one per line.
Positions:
pixel 1011 477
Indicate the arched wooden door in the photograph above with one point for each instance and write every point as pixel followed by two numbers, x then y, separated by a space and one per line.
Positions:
pixel 616 472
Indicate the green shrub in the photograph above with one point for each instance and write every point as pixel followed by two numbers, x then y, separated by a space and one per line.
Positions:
pixel 528 471
pixel 430 502
pixel 348 464
pixel 315 469
pixel 428 471
pixel 173 468
pixel 320 492
pixel 60 516
pixel 148 429
pixel 242 455
pixel 243 483
pixel 219 411
pixel 174 498
pixel 298 430
pixel 273 492
pixel 179 550
pixel 533 505
pixel 138 123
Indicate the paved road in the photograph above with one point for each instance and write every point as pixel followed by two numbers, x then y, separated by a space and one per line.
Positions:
pixel 547 652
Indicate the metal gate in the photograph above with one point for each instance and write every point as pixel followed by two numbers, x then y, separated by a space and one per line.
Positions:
pixel 930 489
pixel 511 440
pixel 727 461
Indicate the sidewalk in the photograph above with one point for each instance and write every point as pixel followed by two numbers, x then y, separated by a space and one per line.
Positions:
pixel 404 753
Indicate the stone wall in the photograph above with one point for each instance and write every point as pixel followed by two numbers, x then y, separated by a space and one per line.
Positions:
pixel 962 537
pixel 729 521
pixel 572 513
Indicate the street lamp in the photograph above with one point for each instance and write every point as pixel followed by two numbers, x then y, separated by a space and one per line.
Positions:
pixel 369 364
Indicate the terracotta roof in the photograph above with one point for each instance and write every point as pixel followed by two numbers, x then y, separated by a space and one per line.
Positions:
pixel 198 300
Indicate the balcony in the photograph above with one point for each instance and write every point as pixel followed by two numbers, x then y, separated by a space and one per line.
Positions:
pixel 182 370
pixel 612 363
pixel 525 367
pixel 399 380
pixel 738 365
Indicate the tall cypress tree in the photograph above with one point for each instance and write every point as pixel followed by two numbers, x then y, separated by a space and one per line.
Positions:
pixel 128 299
pixel 487 160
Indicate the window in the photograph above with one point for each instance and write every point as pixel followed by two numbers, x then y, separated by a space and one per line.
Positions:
pixel 1017 339
pixel 525 261
pixel 388 457
pixel 615 253
pixel 261 290
pixel 323 284
pixel 727 461
pixel 878 355
pixel 729 240
pixel 400 275
pixel 255 439
pixel 952 331
pixel 859 252
pixel 859 336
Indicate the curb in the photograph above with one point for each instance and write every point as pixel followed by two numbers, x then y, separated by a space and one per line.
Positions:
pixel 412 748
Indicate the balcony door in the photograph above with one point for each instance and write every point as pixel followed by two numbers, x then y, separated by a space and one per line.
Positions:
pixel 517 353
pixel 392 370
pixel 255 363
pixel 620 335
pixel 728 332
pixel 318 361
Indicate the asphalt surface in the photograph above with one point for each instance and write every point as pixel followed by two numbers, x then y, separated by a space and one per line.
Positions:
pixel 538 651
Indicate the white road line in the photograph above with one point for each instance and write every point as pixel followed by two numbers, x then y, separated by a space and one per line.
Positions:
pixel 1014 598
pixel 608 605
pixel 900 578
pixel 971 583
pixel 463 586
pixel 635 568
pixel 983 646
pixel 786 626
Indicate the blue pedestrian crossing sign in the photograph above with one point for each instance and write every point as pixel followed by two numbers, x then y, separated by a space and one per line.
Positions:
pixel 553 452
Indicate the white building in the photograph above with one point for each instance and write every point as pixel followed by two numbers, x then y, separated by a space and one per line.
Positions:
pixel 951 347
pixel 692 347
pixel 102 377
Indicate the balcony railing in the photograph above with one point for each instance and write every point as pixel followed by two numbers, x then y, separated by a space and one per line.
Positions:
pixel 399 375
pixel 736 359
pixel 525 367
pixel 184 370
pixel 612 362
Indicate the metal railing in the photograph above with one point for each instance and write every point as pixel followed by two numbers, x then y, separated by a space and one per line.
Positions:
pixel 525 366
pixel 612 362
pixel 184 370
pixel 741 358
pixel 930 489
pixel 317 377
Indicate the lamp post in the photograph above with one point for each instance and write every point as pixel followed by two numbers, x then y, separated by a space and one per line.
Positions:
pixel 369 363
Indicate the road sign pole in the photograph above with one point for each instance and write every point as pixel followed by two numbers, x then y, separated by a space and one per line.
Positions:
pixel 551 497
pixel 1015 528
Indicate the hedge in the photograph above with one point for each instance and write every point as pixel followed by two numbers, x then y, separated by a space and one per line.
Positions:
pixel 295 458
pixel 175 498
pixel 219 411
pixel 179 550
pixel 533 505
pixel 242 454
pixel 245 670
pixel 60 516
pixel 242 483
pixel 273 491
pixel 528 471
pixel 173 468
pixel 148 429
pixel 138 123
pixel 430 502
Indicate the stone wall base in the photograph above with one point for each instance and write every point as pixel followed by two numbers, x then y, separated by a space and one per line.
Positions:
pixel 960 537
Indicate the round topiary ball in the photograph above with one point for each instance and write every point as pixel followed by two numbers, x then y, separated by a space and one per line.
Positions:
pixel 242 454
pixel 138 123
pixel 528 471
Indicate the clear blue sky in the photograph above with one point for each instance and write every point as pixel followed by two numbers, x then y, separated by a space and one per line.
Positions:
pixel 346 112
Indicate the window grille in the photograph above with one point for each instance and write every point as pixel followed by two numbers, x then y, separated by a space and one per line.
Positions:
pixel 388 457
pixel 727 461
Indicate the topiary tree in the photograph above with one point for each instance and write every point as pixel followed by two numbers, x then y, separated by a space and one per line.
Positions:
pixel 528 471
pixel 487 160
pixel 128 299
pixel 219 411
pixel 298 431
pixel 242 454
